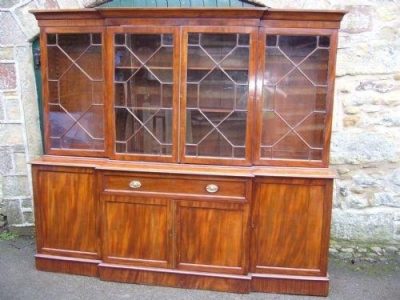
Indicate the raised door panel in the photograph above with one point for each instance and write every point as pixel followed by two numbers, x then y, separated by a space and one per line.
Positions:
pixel 66 211
pixel 137 231
pixel 218 79
pixel 212 237
pixel 295 95
pixel 73 62
pixel 143 84
pixel 291 219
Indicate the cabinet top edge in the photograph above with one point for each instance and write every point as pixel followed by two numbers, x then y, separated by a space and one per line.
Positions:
pixel 188 169
pixel 259 13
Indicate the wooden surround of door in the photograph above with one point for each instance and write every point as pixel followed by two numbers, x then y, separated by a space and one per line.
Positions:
pixel 152 174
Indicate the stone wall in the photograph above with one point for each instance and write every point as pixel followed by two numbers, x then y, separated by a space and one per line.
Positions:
pixel 366 133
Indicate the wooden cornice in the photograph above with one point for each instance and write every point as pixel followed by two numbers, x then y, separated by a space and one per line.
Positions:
pixel 257 13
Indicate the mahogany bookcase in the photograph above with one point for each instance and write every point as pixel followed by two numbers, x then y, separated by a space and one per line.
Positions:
pixel 187 147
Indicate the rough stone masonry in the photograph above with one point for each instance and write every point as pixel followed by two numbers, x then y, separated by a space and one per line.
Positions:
pixel 366 132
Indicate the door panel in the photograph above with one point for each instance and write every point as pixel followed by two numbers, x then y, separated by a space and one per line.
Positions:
pixel 66 210
pixel 212 237
pixel 290 227
pixel 73 63
pixel 218 85
pixel 295 97
pixel 145 87
pixel 137 231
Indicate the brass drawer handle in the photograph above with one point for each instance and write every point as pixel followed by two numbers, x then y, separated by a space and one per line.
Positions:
pixel 212 188
pixel 135 184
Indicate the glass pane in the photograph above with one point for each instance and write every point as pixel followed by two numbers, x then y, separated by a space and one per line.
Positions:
pixel 75 69
pixel 143 93
pixel 295 88
pixel 217 94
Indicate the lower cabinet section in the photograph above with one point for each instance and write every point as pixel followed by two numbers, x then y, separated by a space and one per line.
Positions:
pixel 221 233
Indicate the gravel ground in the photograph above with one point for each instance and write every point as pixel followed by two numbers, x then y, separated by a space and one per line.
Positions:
pixel 20 280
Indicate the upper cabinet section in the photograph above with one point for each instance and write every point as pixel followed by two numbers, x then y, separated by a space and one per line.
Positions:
pixel 204 86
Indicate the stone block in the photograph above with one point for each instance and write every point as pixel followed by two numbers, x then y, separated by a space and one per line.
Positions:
pixel 10 33
pixel 29 100
pixel 26 203
pixel 363 225
pixel 355 147
pixel 6 53
pixel 28 217
pixel 8 78
pixel 27 20
pixel 354 201
pixel 391 119
pixel 13 111
pixel 358 19
pixel 68 4
pixel 16 186
pixel 92 3
pixel 386 199
pixel 6 166
pixel 47 3
pixel 2 107
pixel 20 163
pixel 12 211
pixel 11 134
pixel 8 3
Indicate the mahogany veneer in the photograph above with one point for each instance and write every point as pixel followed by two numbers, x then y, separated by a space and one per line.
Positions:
pixel 187 147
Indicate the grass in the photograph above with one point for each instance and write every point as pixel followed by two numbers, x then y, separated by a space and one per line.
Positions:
pixel 7 236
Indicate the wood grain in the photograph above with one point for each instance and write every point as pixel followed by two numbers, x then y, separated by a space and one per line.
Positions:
pixel 289 226
pixel 137 231
pixel 212 237
pixel 65 211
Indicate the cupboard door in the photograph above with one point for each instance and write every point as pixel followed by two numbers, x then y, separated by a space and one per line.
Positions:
pixel 212 237
pixel 292 219
pixel 145 88
pixel 65 211
pixel 218 85
pixel 137 231
pixel 73 91
pixel 295 97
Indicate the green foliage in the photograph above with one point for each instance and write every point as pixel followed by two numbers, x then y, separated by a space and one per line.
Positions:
pixel 7 236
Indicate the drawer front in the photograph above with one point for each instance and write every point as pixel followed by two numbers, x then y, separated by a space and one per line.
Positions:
pixel 172 185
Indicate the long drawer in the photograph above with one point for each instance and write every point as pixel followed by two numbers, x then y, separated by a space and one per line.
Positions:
pixel 173 185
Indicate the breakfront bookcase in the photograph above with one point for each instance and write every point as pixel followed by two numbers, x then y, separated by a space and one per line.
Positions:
pixel 187 147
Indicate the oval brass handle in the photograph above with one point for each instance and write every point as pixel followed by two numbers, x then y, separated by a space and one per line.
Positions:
pixel 212 188
pixel 135 184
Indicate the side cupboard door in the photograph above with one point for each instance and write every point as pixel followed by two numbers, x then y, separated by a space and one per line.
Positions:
pixel 291 220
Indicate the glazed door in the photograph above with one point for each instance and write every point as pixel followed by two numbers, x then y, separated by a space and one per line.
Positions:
pixel 291 221
pixel 218 79
pixel 73 86
pixel 212 236
pixel 143 81
pixel 294 96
